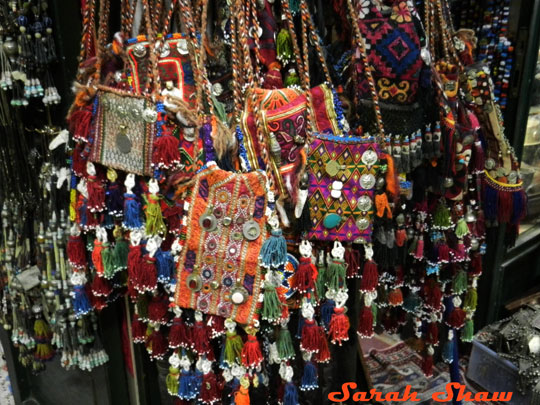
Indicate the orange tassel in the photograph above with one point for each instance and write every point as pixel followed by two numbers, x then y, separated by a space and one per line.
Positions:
pixel 381 202
pixel 391 177
pixel 241 397
pixel 96 257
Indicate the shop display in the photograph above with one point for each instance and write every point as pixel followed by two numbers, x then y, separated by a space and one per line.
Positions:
pixel 236 166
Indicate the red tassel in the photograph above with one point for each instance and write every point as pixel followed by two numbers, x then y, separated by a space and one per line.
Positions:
pixel 456 319
pixel 434 297
pixel 444 253
pixel 166 152
pixel 476 265
pixel 401 237
pixel 180 334
pixel 433 334
pixel 427 365
pixel 156 345
pixel 97 302
pixel 365 323
pixel 399 276
pixel 505 206
pixel 101 286
pixel 216 325
pixel 419 252
pixel 370 277
pixel 96 194
pixel 310 337
pixel 200 338
pixel 76 252
pixel 305 275
pixel 158 309
pixel 352 258
pixel 273 79
pixel 210 392
pixel 251 352
pixel 79 124
pixel 339 326
pixel 146 274
pixel 96 257
pixel 395 297
pixel 138 330
pixel 323 355
pixel 78 160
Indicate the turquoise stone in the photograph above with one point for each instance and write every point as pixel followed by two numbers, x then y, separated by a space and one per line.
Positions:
pixel 331 221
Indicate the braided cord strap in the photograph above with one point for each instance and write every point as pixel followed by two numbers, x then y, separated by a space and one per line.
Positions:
pixel 367 71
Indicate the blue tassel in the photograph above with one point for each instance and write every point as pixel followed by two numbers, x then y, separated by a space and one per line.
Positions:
pixel 81 303
pixel 448 306
pixel 519 206
pixel 165 266
pixel 301 321
pixel 274 250
pixel 490 203
pixel 186 387
pixel 132 212
pixel 327 309
pixel 291 395
pixel 448 352
pixel 309 379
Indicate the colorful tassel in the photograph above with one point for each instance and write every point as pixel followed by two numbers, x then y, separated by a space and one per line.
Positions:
pixel 210 392
pixel 468 331
pixel 323 355
pixel 179 334
pixel 154 217
pixel 165 266
pixel 309 378
pixel 471 300
pixel 96 257
pixel 76 252
pixel 273 252
pixel 172 382
pixel 241 397
pixel 251 352
pixel 81 303
pixel 310 337
pixel 460 282
pixel 335 274
pixel 233 348
pixel 138 329
pixel 339 326
pixel 156 345
pixel 166 153
pixel 291 395
pixel 285 346
pixel 370 277
pixel 305 275
pixel 272 306
pixel 365 322
pixel 284 46
pixel 132 212
pixel 462 229
pixel 42 337
pixel 120 254
pixel 327 311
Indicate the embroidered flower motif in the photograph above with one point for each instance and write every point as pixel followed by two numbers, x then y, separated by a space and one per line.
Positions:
pixel 401 13
pixel 364 8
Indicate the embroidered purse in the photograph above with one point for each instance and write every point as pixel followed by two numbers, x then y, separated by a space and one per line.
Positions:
pixel 218 271
pixel 342 178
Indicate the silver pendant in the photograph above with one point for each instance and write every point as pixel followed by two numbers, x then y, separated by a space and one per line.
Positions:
pixel 367 181
pixel 369 157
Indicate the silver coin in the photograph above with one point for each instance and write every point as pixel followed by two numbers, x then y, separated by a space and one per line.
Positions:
pixel 149 115
pixel 139 50
pixel 362 223
pixel 165 50
pixel 489 164
pixel 512 177
pixel 364 203
pixel 369 157
pixel 123 143
pixel 367 181
pixel 251 230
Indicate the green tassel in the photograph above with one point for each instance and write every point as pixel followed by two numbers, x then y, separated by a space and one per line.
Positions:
pixel 285 345
pixel 172 380
pixel 120 254
pixel 462 228
pixel 412 303
pixel 142 307
pixel 294 6
pixel 468 331
pixel 284 46
pixel 108 262
pixel 154 219
pixel 459 284
pixel 441 218
pixel 471 300
pixel 292 79
pixel 335 274
pixel 233 348
pixel 271 304
pixel 374 311
pixel 320 283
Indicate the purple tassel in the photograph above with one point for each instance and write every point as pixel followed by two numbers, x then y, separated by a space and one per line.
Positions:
pixel 291 395
pixel 81 303
pixel 327 309
pixel 520 206
pixel 114 200
pixel 165 266
pixel 309 379
pixel 490 203
pixel 206 135
pixel 132 212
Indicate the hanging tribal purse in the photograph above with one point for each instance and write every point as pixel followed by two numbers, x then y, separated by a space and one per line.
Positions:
pixel 174 64
pixel 125 124
pixel 393 47
pixel 342 178
pixel 218 271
